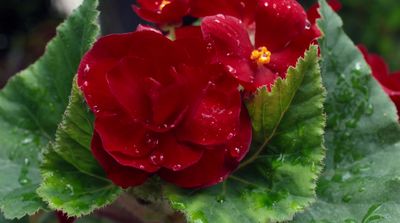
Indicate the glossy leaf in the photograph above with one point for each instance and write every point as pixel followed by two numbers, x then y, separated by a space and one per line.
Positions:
pixel 274 183
pixel 31 107
pixel 361 182
pixel 73 181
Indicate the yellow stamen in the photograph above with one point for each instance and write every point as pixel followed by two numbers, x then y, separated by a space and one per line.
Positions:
pixel 261 55
pixel 163 4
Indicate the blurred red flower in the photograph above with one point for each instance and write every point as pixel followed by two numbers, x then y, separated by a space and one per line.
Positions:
pixel 160 108
pixel 390 82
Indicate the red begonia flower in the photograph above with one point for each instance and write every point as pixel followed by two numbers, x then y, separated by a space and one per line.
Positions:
pixel 162 12
pixel 390 82
pixel 161 109
pixel 282 35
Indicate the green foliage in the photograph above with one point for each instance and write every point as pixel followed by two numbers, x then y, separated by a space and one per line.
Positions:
pixel 361 182
pixel 31 107
pixel 278 178
pixel 73 180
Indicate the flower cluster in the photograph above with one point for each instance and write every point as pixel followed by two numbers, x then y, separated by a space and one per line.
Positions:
pixel 175 107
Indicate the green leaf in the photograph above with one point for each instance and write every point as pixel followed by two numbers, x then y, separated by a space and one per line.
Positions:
pixel 361 182
pixel 73 181
pixel 276 182
pixel 31 107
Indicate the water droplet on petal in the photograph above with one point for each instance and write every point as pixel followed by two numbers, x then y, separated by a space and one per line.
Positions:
pixel 235 152
pixel 141 167
pixel 231 69
pixel 176 167
pixel 157 158
pixel 266 4
pixel 308 25
pixel 87 68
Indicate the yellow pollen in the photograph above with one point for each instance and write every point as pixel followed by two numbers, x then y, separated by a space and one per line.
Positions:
pixel 261 55
pixel 163 4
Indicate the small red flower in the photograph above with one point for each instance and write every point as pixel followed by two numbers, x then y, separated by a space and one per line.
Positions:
pixel 390 82
pixel 162 12
pixel 282 35
pixel 161 109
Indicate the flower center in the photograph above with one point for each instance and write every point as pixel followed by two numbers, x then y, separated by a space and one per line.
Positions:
pixel 261 55
pixel 163 4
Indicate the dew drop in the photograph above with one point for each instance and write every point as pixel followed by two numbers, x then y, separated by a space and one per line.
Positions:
pixel 27 140
pixel 220 199
pixel 266 4
pixel 141 167
pixel 87 68
pixel 274 6
pixel 209 46
pixel 176 167
pixel 308 25
pixel 157 158
pixel 231 69
pixel 347 198
pixel 70 189
pixel 235 152
pixel 23 181
pixel 85 84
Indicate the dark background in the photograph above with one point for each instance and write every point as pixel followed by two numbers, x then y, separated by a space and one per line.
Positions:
pixel 26 27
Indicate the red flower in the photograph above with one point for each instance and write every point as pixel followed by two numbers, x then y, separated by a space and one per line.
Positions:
pixel 282 35
pixel 160 109
pixel 162 12
pixel 390 82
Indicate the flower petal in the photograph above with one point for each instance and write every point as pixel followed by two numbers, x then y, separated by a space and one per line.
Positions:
pixel 239 145
pixel 278 22
pixel 173 12
pixel 214 119
pixel 120 175
pixel 228 39
pixel 242 9
pixel 93 67
pixel 213 168
pixel 174 155
pixel 128 143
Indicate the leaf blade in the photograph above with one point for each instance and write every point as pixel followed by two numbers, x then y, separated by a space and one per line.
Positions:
pixel 360 183
pixel 31 106
pixel 250 195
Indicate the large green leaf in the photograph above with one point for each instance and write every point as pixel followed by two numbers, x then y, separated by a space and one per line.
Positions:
pixel 361 182
pixel 31 107
pixel 73 181
pixel 276 182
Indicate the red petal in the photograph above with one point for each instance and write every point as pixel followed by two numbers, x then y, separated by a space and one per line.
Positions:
pixel 216 164
pixel 128 143
pixel 120 175
pixel 229 39
pixel 313 14
pixel 213 168
pixel 106 52
pixel 126 82
pixel 175 156
pixel 278 22
pixel 214 119
pixel 264 77
pixel 239 146
pixel 170 13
